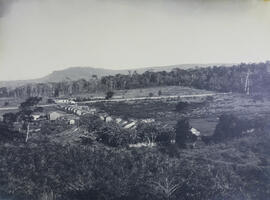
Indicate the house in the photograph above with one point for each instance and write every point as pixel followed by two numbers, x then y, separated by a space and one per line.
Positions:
pixel 55 115
pixel 35 116
pixel 108 119
pixel 195 132
pixel 38 116
pixel 65 101
pixel 71 122
pixel 130 125
pixel 92 111
pixel 148 120
pixel 118 120
pixel 61 101
pixel 78 112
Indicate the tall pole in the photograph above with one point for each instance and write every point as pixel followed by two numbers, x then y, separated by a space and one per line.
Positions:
pixel 247 84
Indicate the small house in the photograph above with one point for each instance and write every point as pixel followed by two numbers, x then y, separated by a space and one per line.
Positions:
pixel 71 122
pixel 38 116
pixel 92 110
pixel 195 132
pixel 108 119
pixel 130 125
pixel 78 112
pixel 54 115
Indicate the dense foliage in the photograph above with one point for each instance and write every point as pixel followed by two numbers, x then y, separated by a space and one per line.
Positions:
pixel 183 133
pixel 222 79
pixel 237 170
pixel 230 126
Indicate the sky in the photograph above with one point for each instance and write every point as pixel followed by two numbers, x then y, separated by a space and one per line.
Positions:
pixel 40 36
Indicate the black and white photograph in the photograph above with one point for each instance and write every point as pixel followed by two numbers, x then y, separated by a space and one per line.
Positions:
pixel 134 99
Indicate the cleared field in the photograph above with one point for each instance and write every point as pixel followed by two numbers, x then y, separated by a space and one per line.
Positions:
pixel 146 92
pixel 164 91
pixel 203 113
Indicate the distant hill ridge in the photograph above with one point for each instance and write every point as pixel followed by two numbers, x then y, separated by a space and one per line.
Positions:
pixel 76 73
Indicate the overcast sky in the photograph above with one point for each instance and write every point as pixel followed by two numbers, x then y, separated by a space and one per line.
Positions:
pixel 39 36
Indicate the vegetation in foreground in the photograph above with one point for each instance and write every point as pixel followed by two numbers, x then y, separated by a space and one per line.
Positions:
pixel 234 167
pixel 236 170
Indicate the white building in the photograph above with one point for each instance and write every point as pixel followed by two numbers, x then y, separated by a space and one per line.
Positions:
pixel 54 115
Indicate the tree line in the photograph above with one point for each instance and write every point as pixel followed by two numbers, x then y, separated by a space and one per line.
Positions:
pixel 221 79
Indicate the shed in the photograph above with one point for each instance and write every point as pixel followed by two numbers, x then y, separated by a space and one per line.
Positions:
pixel 130 125
pixel 78 112
pixel 108 119
pixel 55 115
pixel 72 122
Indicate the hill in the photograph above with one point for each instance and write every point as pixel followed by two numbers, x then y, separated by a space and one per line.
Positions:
pixel 76 73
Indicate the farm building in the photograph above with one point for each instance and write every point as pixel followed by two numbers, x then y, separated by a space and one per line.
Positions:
pixel 72 122
pixel 195 132
pixel 54 115
pixel 78 112
pixel 108 119
pixel 38 116
pixel 65 101
pixel 130 125
pixel 92 110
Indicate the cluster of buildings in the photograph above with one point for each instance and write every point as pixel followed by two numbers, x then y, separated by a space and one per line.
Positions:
pixel 82 110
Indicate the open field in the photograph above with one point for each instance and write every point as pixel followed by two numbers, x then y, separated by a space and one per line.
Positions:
pixel 203 113
pixel 144 92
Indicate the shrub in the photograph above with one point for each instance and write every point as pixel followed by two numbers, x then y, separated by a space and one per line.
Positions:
pixel 9 118
pixel 151 94
pixel 110 134
pixel 109 95
pixel 230 126
pixel 54 127
pixel 183 133
pixel 6 134
pixel 181 106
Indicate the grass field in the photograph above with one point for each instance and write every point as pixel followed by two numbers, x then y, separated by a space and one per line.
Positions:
pixel 203 113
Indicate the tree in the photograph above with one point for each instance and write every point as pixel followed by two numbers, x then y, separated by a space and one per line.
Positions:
pixel 230 126
pixel 150 94
pixel 109 95
pixel 26 110
pixel 183 133
pixel 94 76
pixel 181 106
pixel 9 118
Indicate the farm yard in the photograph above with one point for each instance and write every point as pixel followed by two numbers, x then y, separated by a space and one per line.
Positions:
pixel 203 112
pixel 134 100
pixel 135 139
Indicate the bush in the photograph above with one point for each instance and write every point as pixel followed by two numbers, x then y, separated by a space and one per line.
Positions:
pixel 183 133
pixel 113 135
pixel 151 133
pixel 230 126
pixel 54 127
pixel 6 134
pixel 9 118
pixel 181 106
pixel 109 95
pixel 110 134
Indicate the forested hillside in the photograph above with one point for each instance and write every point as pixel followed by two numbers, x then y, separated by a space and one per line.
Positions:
pixel 221 79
